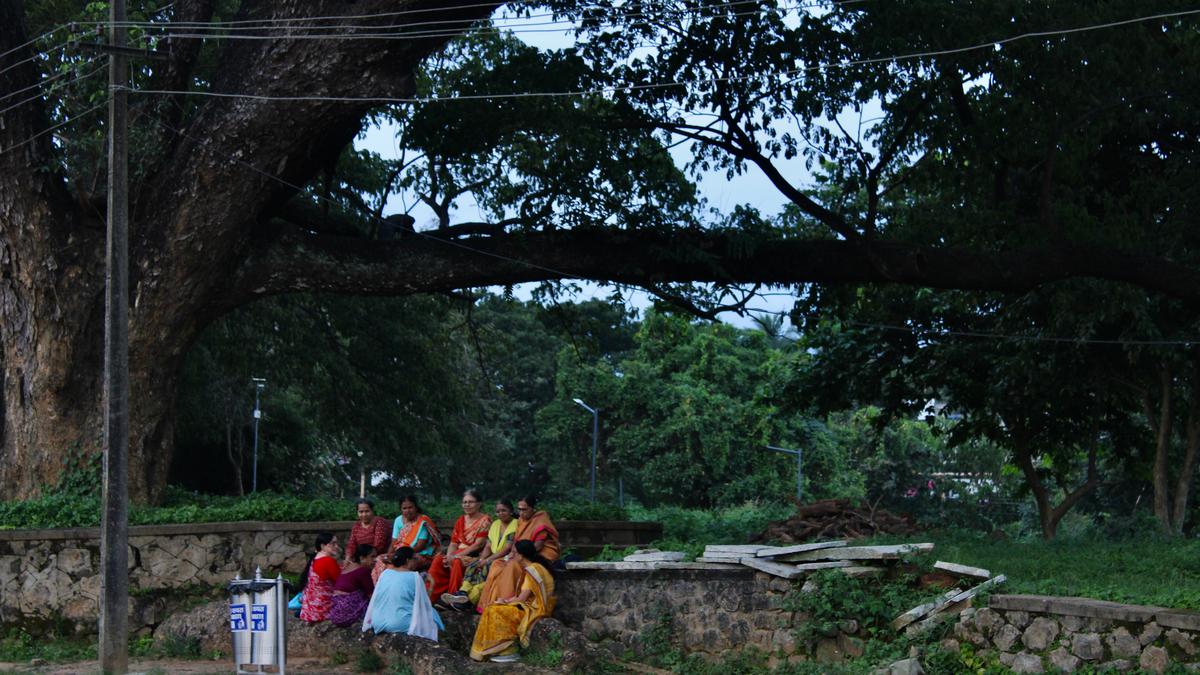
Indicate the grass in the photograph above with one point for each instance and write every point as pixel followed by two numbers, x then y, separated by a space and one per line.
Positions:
pixel 1148 571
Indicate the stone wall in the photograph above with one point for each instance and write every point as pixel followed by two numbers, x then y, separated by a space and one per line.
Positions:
pixel 1034 634
pixel 707 611
pixel 53 575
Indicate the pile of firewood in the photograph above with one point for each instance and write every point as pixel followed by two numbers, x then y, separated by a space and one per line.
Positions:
pixel 835 519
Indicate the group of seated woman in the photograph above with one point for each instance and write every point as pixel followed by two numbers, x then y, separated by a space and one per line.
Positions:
pixel 502 567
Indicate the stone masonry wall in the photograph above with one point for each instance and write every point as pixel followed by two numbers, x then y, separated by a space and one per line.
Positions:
pixel 53 575
pixel 709 611
pixel 1034 634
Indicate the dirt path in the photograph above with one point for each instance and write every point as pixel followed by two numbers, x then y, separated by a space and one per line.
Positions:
pixel 304 666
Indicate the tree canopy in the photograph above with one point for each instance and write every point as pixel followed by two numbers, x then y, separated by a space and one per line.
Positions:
pixel 1017 146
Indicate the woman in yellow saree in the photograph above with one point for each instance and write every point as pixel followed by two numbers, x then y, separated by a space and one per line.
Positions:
pixel 504 577
pixel 508 621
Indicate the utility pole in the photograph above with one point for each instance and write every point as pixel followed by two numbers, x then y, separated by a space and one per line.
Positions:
pixel 799 467
pixel 595 441
pixel 259 383
pixel 114 525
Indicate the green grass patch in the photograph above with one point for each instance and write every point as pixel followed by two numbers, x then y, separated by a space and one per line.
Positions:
pixel 1149 571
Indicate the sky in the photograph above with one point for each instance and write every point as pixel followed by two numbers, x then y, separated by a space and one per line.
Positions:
pixel 750 188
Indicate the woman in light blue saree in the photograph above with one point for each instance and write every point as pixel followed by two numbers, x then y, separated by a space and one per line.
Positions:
pixel 400 603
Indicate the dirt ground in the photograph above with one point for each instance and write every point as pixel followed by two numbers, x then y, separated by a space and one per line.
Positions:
pixel 305 666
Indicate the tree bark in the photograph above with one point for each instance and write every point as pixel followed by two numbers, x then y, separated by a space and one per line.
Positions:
pixel 1162 444
pixel 1187 470
pixel 1049 515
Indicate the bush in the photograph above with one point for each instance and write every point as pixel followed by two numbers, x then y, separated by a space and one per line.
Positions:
pixel 74 509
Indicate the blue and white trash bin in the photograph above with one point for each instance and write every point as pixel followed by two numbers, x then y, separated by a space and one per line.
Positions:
pixel 258 622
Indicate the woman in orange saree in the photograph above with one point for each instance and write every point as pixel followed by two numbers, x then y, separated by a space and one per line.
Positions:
pixel 415 530
pixel 468 539
pixel 504 578
pixel 508 620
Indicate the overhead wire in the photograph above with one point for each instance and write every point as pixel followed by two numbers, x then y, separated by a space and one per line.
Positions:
pixel 612 89
pixel 74 118
pixel 384 15
pixel 517 20
pixel 60 85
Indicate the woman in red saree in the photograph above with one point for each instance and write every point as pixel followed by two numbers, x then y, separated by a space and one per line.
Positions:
pixel 504 578
pixel 467 540
pixel 317 580
pixel 413 529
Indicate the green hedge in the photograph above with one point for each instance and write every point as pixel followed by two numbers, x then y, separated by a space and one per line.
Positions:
pixel 67 510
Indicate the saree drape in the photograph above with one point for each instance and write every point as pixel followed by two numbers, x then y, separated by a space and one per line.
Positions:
pixel 503 626
pixel 420 532
pixel 448 579
pixel 401 605
pixel 504 578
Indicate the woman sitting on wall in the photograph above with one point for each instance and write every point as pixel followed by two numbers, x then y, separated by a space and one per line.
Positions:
pixel 466 542
pixel 413 529
pixel 510 618
pixel 352 590
pixel 400 603
pixel 316 583
pixel 504 579
pixel 499 543
pixel 368 529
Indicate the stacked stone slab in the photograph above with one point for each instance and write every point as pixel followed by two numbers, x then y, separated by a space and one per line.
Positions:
pixel 1034 633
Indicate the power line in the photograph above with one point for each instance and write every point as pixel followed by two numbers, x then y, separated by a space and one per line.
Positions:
pixel 55 88
pixel 517 21
pixel 384 15
pixel 35 57
pixel 612 89
pixel 32 41
pixel 300 189
pixel 56 127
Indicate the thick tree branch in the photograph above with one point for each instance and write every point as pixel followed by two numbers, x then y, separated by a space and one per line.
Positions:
pixel 299 262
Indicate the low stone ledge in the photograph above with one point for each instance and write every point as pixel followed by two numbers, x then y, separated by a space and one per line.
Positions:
pixel 1178 618
pixel 1100 609
pixel 1064 633
pixel 1019 603
pixel 1097 609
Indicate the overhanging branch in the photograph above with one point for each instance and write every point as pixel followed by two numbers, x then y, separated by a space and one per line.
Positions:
pixel 302 262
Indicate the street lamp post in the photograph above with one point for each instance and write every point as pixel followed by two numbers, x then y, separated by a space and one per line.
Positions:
pixel 595 440
pixel 259 383
pixel 799 466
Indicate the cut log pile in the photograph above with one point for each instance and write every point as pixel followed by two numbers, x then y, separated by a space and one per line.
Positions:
pixel 836 519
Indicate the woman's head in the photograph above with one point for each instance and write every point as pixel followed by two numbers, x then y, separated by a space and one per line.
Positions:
pixel 326 543
pixel 410 507
pixel 528 551
pixel 364 554
pixel 526 507
pixel 505 511
pixel 472 501
pixel 401 557
pixel 366 510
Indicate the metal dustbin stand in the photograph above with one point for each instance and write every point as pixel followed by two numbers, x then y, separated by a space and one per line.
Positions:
pixel 258 622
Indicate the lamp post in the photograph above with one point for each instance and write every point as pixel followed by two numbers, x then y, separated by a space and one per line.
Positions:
pixel 259 383
pixel 799 467
pixel 595 440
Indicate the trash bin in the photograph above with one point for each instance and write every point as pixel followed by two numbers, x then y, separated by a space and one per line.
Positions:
pixel 258 622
